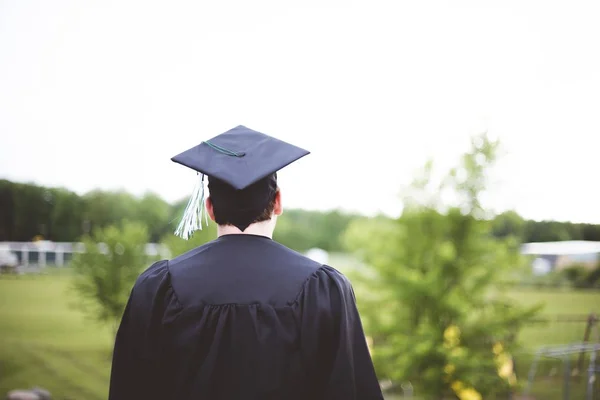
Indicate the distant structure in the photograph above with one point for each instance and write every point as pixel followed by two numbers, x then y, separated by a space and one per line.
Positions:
pixel 319 255
pixel 43 253
pixel 555 256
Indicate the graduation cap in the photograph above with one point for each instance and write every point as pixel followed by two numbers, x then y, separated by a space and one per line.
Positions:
pixel 236 159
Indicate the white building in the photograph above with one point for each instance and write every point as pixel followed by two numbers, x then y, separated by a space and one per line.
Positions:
pixel 44 252
pixel 549 256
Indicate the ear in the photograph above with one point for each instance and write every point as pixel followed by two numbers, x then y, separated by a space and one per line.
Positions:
pixel 209 208
pixel 278 209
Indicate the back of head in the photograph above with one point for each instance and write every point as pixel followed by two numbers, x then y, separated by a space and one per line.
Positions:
pixel 244 207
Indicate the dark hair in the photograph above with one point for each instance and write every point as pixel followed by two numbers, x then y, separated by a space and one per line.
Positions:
pixel 242 208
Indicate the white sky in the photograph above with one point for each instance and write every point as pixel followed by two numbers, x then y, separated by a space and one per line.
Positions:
pixel 103 93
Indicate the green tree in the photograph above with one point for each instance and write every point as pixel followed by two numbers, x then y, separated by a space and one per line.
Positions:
pixel 509 224
pixel 105 272
pixel 590 232
pixel 104 208
pixel 154 212
pixel 577 275
pixel 7 210
pixel 302 230
pixel 294 230
pixel 432 294
pixel 549 231
pixel 31 211
pixel 67 215
pixel 593 277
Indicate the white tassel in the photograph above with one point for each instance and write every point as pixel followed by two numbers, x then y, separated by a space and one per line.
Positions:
pixel 192 216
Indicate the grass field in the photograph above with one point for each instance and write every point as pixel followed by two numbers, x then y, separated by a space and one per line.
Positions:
pixel 549 382
pixel 45 342
pixel 558 305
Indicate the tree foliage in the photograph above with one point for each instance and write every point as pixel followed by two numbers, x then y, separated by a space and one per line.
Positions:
pixel 303 230
pixel 28 211
pixel 178 246
pixel 581 276
pixel 433 299
pixel 105 273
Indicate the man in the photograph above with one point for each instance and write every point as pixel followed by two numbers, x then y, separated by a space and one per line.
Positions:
pixel 241 317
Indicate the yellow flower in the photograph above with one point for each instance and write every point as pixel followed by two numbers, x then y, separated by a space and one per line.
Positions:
pixel 469 394
pixel 505 364
pixel 505 370
pixel 449 369
pixel 451 336
pixel 451 332
pixel 465 393
pixel 498 348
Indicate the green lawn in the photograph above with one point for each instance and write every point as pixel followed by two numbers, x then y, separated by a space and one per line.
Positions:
pixel 45 342
pixel 559 304
pixel 549 382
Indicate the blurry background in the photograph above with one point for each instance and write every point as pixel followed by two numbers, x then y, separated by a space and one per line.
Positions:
pixel 497 242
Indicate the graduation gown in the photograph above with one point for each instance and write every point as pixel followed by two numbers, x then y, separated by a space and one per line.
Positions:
pixel 242 317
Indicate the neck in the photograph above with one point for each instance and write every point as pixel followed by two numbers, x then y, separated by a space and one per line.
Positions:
pixel 264 228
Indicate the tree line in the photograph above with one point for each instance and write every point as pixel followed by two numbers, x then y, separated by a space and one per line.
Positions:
pixel 29 211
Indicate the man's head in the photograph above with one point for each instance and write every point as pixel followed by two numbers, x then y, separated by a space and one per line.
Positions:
pixel 258 202
pixel 241 165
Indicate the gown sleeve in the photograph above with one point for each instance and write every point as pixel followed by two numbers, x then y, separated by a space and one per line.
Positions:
pixel 136 354
pixel 333 342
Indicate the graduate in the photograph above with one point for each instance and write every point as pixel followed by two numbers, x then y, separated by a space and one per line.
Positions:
pixel 241 317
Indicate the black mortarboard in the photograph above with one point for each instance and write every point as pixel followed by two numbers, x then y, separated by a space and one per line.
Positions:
pixel 238 158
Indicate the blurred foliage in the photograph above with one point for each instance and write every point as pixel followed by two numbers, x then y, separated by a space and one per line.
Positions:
pixel 574 276
pixel 436 309
pixel 105 273
pixel 28 211
pixel 57 214
pixel 303 230
pixel 581 276
pixel 553 279
pixel 178 246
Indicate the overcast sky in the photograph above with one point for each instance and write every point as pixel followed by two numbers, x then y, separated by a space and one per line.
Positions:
pixel 103 93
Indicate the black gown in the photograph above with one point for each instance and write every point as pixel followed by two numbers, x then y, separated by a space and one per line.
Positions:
pixel 242 317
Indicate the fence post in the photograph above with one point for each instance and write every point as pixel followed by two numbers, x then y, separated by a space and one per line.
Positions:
pixel 591 320
pixel 591 376
pixel 567 365
pixel 532 370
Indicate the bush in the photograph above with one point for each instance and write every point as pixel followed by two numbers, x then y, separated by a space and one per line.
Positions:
pixel 433 302
pixel 593 277
pixel 580 276
pixel 105 273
